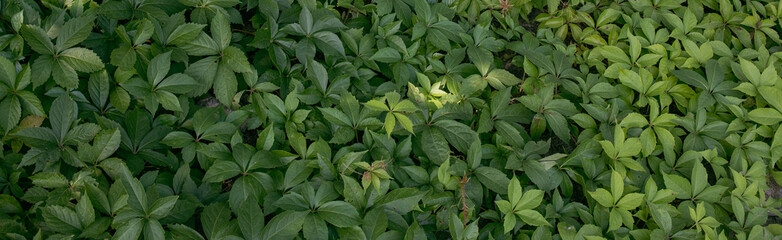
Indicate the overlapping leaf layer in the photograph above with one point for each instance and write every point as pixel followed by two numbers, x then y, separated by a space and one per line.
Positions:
pixel 390 119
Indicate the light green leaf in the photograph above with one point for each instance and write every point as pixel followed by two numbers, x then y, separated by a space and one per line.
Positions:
pixel 681 186
pixel 603 197
pixel 765 116
pixel 630 201
pixel 532 217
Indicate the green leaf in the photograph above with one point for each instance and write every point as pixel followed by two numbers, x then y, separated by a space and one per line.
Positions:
pixel 184 33
pixel 509 222
pixel 162 207
pixel 137 195
pixel 177 83
pixel 475 154
pixel 617 186
pixel 225 85
pixel 336 117
pixel 9 204
pixel 179 231
pixel 74 32
pixel 558 124
pixel 62 115
pixel 250 219
pixel 514 191
pixel 751 72
pixel 123 57
pixel 773 95
pixel 632 80
pixel 509 133
pixel 202 45
pixel 339 213
pixel 404 121
pixel 435 146
pixel 499 78
pixel 630 201
pixel 530 200
pixel 472 84
pixel 493 179
pixel 85 211
pixel 483 60
pixel 49 180
pixel 130 230
pixel 221 170
pixel 8 75
pixel 765 116
pixel 37 39
pixel 386 55
pixel 458 134
pixel 329 42
pixel 314 227
pixel 38 137
pixel 236 60
pixel 13 112
pixel 120 99
pixel 221 30
pixel 692 78
pixel 116 9
pixel 61 219
pixel 64 75
pixel 215 217
pixel 603 197
pixel 158 68
pixel 415 232
pixel 284 226
pixel 376 105
pixel 144 30
pixel 614 54
pixel 168 100
pixel 532 217
pixel 153 230
pixel 401 200
pixel 82 59
pixel 699 178
pixel 681 186
pixel 615 219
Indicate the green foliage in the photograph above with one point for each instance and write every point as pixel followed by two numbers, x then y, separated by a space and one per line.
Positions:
pixel 390 119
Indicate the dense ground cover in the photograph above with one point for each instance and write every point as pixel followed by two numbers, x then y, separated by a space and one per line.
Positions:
pixel 390 119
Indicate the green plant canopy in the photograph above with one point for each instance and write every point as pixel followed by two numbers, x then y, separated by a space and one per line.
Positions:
pixel 390 119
